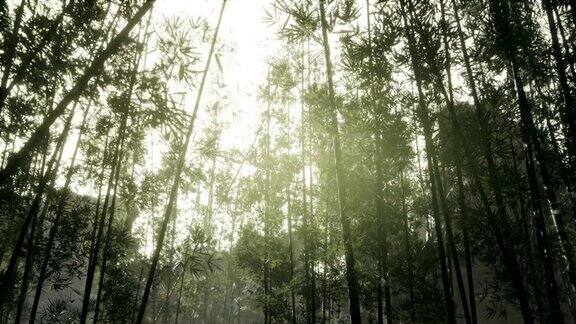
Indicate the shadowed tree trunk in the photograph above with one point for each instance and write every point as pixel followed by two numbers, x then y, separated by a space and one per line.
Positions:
pixel 112 212
pixel 432 166
pixel 7 283
pixel 38 220
pixel 11 43
pixel 128 95
pixel 568 114
pixel 18 159
pixel 289 221
pixel 501 233
pixel 6 88
pixel 56 223
pixel 352 280
pixel 501 15
pixel 408 247
pixel 101 219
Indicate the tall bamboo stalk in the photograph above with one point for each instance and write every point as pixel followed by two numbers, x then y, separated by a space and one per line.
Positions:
pixel 177 174
pixel 352 280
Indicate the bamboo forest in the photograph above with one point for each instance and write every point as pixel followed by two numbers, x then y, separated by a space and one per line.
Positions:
pixel 288 161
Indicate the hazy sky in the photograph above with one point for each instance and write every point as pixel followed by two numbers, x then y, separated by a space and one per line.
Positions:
pixel 250 43
pixel 244 69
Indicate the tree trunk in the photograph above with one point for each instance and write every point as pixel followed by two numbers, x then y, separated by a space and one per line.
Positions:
pixel 6 88
pixel 502 19
pixel 180 294
pixel 10 44
pixel 383 271
pixel 408 247
pixel 471 317
pixel 568 114
pixel 56 223
pixel 534 275
pixel 37 222
pixel 324 272
pixel 309 286
pixel 432 168
pixel 177 172
pixel 97 240
pixel 19 158
pixel 291 254
pixel 106 250
pixel 266 279
pixel 8 278
pixel 466 241
pixel 135 304
pixel 507 249
pixel 353 293
pixel 105 254
pixel 27 271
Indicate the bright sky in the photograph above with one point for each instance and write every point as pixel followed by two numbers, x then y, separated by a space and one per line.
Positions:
pixel 252 42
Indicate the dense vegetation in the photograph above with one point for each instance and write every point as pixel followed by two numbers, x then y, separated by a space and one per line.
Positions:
pixel 414 161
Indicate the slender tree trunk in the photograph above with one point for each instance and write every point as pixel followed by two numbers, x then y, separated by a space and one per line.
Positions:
pixel 353 289
pixel 309 289
pixel 169 283
pixel 379 295
pixel 135 304
pixel 383 271
pixel 229 263
pixel 18 159
pixel 180 294
pixel 27 271
pixel 101 219
pixel 96 223
pixel 432 168
pixel 408 247
pixel 466 241
pixel 56 223
pixel 291 248
pixel 543 245
pixel 311 223
pixel 177 172
pixel 95 244
pixel 268 162
pixel 7 283
pixel 568 114
pixel 470 315
pixel 533 276
pixel 502 19
pixel 6 88
pixel 105 254
pixel 108 242
pixel 569 54
pixel 384 274
pixel 507 250
pixel 11 45
pixel 325 254
pixel 37 222
pixel 206 310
